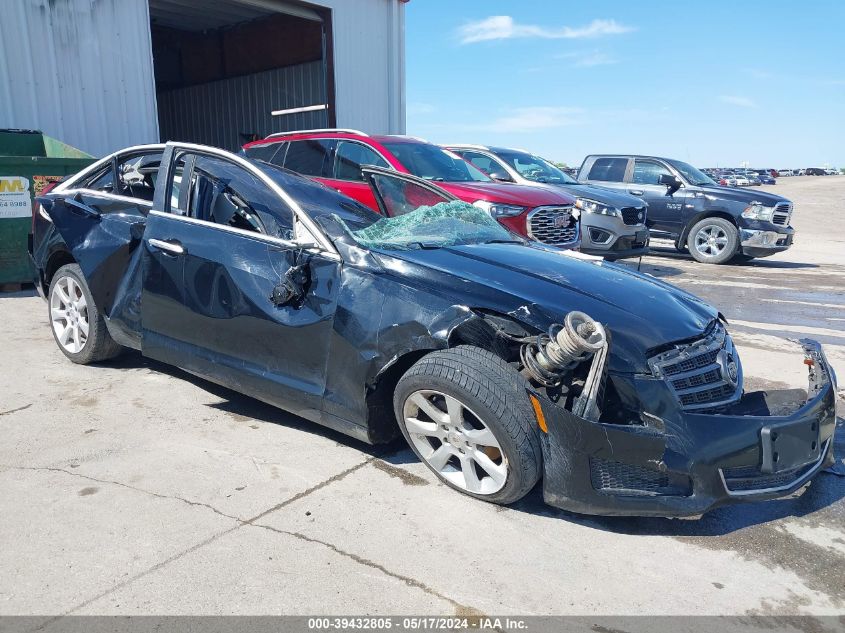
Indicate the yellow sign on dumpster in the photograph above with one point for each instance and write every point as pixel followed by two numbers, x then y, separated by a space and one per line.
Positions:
pixel 14 197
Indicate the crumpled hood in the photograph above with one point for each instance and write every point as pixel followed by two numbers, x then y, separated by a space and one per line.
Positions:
pixel 538 286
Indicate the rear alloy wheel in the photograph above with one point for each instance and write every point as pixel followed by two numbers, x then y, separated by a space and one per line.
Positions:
pixel 713 241
pixel 77 325
pixel 465 413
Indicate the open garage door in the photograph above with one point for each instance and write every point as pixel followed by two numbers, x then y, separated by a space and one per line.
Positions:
pixel 229 71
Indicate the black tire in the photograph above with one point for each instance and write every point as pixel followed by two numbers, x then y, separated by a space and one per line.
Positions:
pixel 98 345
pixel 716 225
pixel 494 393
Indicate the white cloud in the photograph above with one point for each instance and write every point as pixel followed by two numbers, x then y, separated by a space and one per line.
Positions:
pixel 742 102
pixel 503 27
pixel 588 59
pixel 535 118
pixel 418 107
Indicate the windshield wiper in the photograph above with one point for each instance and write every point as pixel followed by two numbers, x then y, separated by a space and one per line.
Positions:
pixel 426 245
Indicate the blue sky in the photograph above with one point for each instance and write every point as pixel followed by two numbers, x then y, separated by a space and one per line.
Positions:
pixel 711 83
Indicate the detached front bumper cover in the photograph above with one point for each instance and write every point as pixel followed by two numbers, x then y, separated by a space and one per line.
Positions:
pixel 689 463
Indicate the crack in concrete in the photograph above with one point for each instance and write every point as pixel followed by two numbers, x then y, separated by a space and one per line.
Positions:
pixel 193 548
pixel 408 580
pixel 135 488
pixel 26 406
pixel 460 609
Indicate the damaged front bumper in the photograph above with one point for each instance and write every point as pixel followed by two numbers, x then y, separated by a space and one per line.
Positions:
pixel 684 464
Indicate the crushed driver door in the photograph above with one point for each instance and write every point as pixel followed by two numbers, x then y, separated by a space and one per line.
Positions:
pixel 227 294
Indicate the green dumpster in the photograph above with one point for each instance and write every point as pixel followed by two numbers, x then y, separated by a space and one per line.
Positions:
pixel 29 161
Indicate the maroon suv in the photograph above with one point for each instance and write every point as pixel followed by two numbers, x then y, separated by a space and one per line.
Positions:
pixel 335 157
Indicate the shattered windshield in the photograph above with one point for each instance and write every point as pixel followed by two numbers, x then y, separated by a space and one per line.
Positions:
pixel 445 224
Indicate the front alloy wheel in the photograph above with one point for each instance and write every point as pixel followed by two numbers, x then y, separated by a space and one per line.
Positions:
pixel 465 413
pixel 713 241
pixel 455 442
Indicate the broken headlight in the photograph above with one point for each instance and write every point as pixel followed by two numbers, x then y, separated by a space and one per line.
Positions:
pixel 592 206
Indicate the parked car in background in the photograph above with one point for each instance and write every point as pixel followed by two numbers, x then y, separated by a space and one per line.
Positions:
pixel 800 172
pixel 499 360
pixel 830 171
pixel 815 171
pixel 335 158
pixel 785 172
pixel 766 178
pixel 742 180
pixel 728 180
pixel 715 223
pixel 613 224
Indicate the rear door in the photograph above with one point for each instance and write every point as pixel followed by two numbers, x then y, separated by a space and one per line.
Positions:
pixel 665 209
pixel 220 258
pixel 101 219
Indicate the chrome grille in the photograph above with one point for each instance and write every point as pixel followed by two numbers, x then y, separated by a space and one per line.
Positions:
pixel 633 215
pixel 782 213
pixel 553 225
pixel 700 373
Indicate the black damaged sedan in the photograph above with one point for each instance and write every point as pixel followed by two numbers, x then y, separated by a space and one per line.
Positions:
pixel 501 361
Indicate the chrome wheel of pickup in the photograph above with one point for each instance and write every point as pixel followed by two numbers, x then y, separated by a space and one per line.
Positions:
pixel 711 240
pixel 69 314
pixel 455 442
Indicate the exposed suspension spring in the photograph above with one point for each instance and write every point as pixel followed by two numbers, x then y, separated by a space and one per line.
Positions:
pixel 552 355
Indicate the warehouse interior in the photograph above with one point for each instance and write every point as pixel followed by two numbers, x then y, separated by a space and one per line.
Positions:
pixel 223 68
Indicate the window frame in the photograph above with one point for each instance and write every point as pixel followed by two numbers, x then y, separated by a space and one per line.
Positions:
pixel 651 161
pixel 323 245
pixel 328 159
pixel 626 174
pixel 336 150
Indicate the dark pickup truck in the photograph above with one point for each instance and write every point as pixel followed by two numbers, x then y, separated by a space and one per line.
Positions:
pixel 717 224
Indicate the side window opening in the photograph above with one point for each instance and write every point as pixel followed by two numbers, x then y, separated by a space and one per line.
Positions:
pixel 647 172
pixel 482 162
pixel 349 158
pixel 136 177
pixel 309 157
pixel 266 152
pixel 608 169
pixel 227 194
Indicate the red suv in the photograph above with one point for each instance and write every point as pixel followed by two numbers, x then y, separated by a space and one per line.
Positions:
pixel 335 157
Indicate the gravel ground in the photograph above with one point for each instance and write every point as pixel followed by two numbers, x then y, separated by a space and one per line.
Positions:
pixel 134 488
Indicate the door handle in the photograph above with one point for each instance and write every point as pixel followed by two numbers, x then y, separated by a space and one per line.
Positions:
pixel 173 247
pixel 635 192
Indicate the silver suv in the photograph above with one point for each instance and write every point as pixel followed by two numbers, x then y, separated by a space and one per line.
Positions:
pixel 613 224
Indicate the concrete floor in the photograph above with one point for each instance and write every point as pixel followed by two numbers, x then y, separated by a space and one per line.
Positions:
pixel 133 488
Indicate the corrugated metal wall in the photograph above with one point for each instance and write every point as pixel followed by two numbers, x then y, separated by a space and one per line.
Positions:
pixel 218 113
pixel 369 64
pixel 79 70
